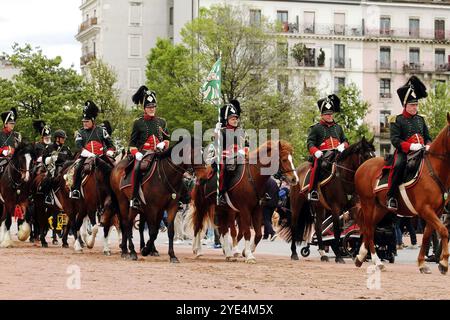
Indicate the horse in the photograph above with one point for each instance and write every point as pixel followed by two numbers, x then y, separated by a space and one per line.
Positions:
pixel 14 190
pixel 335 197
pixel 426 198
pixel 246 197
pixel 161 192
pixel 97 199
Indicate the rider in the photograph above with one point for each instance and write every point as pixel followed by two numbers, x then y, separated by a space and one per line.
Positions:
pixel 54 157
pixel 324 135
pixel 150 134
pixel 233 142
pixel 409 133
pixel 9 139
pixel 46 138
pixel 93 141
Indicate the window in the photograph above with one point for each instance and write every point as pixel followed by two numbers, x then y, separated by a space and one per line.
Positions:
pixel 135 13
pixel 338 83
pixel 339 56
pixel 282 54
pixel 310 57
pixel 171 16
pixel 134 46
pixel 255 17
pixel 282 83
pixel 414 28
pixel 414 57
pixel 384 121
pixel 94 47
pixel 439 59
pixel 282 17
pixel 134 78
pixel 339 23
pixel 385 25
pixel 439 29
pixel 385 58
pixel 385 88
pixel 308 18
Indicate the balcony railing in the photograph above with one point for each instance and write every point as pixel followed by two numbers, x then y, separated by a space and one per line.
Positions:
pixel 442 67
pixel 421 33
pixel 412 67
pixel 84 60
pixel 386 95
pixel 322 29
pixel 341 63
pixel 87 23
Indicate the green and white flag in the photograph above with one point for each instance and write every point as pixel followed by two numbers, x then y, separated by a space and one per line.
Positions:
pixel 211 89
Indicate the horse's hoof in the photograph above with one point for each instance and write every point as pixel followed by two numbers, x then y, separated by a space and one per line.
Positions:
pixel 6 244
pixel 107 253
pixel 425 270
pixel 250 261
pixel 230 259
pixel 443 269
pixel 79 251
pixel 125 255
pixel 174 260
pixel 243 253
pixel 55 242
pixel 236 255
pixel 133 256
pixel 339 260
pixel 144 252
pixel 358 263
pixel 44 245
pixel 324 259
pixel 65 245
pixel 154 254
pixel 294 257
pixel 381 267
pixel 198 255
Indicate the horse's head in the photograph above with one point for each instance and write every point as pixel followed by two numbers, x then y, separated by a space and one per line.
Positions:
pixel 358 153
pixel 441 145
pixel 22 159
pixel 286 164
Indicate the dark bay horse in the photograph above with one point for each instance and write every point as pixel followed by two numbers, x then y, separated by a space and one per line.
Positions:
pixel 335 197
pixel 14 190
pixel 161 193
pixel 426 198
pixel 246 196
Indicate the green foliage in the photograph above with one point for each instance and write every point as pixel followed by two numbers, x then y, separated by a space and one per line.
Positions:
pixel 435 108
pixel 298 53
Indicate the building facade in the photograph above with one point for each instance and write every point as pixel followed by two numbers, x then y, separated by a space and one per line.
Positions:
pixel 7 70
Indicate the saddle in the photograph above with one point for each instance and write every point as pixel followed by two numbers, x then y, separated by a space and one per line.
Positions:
pixel 326 171
pixel 147 166
pixel 413 170
pixel 234 176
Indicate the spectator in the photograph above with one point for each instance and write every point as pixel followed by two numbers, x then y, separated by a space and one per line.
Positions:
pixel 269 206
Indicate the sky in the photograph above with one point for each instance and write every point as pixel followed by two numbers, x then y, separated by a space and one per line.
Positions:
pixel 48 24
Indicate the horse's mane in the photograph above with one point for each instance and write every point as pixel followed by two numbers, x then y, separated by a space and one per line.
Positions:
pixel 167 153
pixel 284 147
pixel 353 148
pixel 24 147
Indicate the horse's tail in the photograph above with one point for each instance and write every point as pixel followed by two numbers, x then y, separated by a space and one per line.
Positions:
pixel 199 214
pixel 300 227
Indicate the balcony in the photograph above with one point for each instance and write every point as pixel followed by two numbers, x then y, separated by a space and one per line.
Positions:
pixel 407 33
pixel 441 68
pixel 87 24
pixel 412 67
pixel 386 95
pixel 84 60
pixel 341 63
pixel 322 29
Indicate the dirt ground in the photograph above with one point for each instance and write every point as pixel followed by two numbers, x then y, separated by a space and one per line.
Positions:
pixel 31 272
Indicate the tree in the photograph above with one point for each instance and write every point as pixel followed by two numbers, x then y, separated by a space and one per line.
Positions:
pixel 435 108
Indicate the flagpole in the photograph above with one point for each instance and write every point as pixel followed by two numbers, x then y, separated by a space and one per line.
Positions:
pixel 219 133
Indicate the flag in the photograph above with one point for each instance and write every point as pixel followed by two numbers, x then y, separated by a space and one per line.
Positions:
pixel 211 89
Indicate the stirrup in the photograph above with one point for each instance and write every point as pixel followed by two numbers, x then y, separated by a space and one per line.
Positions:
pixel 49 200
pixel 135 203
pixel 392 204
pixel 75 194
pixel 222 201
pixel 313 196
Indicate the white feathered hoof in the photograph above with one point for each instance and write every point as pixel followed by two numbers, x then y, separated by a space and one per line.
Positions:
pixel 77 247
pixel 7 244
pixel 90 241
pixel 24 231
pixel 231 259
pixel 250 261
pixel 107 253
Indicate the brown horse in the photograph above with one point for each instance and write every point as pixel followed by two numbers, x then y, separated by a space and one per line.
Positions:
pixel 246 196
pixel 14 190
pixel 98 199
pixel 426 198
pixel 335 197
pixel 161 193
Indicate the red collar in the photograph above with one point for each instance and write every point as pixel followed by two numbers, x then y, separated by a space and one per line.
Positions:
pixel 5 130
pixel 406 114
pixel 147 117
pixel 328 124
pixel 230 127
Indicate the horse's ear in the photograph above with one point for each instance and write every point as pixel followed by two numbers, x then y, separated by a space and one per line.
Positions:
pixel 448 117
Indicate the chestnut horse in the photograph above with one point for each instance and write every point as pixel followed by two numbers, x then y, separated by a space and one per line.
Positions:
pixel 161 193
pixel 335 197
pixel 246 196
pixel 426 198
pixel 14 190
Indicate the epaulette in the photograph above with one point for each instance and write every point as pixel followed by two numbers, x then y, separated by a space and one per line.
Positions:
pixel 393 118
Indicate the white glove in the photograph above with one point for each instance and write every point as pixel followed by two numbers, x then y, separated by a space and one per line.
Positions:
pixel 318 154
pixel 5 152
pixel 87 154
pixel 427 147
pixel 110 153
pixel 138 156
pixel 415 146
pixel 218 127
pixel 54 158
pixel 39 159
pixel 341 147
pixel 160 146
pixel 241 152
pixel 48 160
